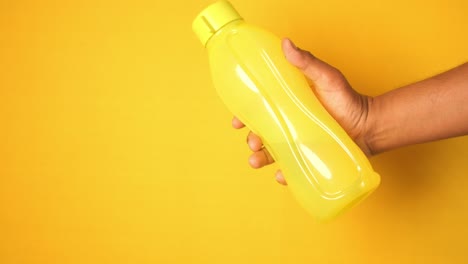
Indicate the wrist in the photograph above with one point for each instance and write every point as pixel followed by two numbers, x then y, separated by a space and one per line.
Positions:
pixel 363 129
pixel 373 127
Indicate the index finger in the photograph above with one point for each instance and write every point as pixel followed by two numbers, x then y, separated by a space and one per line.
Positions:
pixel 236 123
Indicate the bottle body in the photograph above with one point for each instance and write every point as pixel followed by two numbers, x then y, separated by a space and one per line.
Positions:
pixel 325 170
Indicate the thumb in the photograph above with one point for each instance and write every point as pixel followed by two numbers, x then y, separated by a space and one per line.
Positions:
pixel 316 70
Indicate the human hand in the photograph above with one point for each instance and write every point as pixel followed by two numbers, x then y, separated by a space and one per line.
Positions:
pixel 349 108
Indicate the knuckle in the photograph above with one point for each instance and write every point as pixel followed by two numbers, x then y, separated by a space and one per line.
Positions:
pixel 332 77
pixel 307 55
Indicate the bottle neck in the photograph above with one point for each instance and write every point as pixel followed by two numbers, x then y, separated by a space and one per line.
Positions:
pixel 226 28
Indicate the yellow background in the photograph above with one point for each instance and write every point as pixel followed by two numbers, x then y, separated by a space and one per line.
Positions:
pixel 114 147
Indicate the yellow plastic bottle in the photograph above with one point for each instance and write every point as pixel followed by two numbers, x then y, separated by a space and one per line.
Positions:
pixel 325 170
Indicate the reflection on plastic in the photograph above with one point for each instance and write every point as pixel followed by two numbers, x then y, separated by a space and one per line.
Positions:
pixel 316 161
pixel 246 79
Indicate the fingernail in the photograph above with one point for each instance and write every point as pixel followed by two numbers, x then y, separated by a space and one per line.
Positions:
pixel 293 45
pixel 278 176
pixel 252 161
pixel 251 145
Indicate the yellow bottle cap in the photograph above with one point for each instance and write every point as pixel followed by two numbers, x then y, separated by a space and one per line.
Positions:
pixel 212 18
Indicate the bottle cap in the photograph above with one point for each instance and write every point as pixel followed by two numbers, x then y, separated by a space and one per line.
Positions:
pixel 212 18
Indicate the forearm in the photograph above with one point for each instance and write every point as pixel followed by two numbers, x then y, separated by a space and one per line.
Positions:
pixel 433 109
